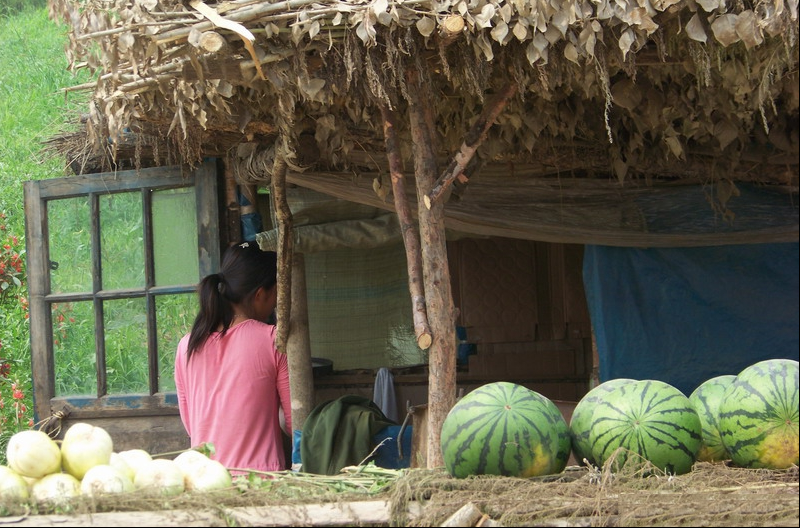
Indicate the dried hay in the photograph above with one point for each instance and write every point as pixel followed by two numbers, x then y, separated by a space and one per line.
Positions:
pixel 284 488
pixel 662 87
pixel 711 495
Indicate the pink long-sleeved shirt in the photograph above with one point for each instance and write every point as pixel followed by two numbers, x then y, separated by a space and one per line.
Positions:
pixel 229 394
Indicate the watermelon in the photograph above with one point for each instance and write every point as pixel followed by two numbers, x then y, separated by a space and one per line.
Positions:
pixel 506 429
pixel 581 421
pixel 650 420
pixel 706 400
pixel 758 420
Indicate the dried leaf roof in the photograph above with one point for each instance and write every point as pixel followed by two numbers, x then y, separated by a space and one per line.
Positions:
pixel 689 89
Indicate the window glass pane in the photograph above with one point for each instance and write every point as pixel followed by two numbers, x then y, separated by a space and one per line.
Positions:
pixel 122 250
pixel 175 237
pixel 126 346
pixel 74 349
pixel 175 315
pixel 70 232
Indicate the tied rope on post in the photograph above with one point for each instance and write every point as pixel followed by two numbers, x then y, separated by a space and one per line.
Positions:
pixel 52 424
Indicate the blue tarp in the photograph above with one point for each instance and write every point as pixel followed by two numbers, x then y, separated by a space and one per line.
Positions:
pixel 685 315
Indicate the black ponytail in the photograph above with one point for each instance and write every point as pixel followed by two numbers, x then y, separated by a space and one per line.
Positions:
pixel 245 269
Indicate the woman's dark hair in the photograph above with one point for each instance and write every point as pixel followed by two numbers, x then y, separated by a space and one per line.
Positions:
pixel 245 268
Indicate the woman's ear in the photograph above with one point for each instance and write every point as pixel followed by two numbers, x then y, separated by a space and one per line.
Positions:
pixel 268 294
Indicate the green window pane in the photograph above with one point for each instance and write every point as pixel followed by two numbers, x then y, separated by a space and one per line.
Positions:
pixel 175 237
pixel 175 315
pixel 126 346
pixel 74 349
pixel 122 248
pixel 70 242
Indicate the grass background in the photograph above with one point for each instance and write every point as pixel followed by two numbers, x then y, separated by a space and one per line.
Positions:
pixel 33 108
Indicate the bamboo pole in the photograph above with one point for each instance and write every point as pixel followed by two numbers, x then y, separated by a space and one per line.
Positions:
pixel 422 329
pixel 258 11
pixel 473 139
pixel 244 14
pixel 438 290
pixel 174 69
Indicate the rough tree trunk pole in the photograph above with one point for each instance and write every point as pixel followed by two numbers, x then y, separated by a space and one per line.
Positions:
pixel 298 347
pixel 292 310
pixel 284 216
pixel 233 226
pixel 474 138
pixel 438 291
pixel 422 329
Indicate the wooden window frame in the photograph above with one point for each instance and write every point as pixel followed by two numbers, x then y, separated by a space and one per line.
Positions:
pixel 37 194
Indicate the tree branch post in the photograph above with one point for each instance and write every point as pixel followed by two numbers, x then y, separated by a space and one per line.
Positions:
pixel 407 228
pixel 284 216
pixel 474 138
pixel 436 272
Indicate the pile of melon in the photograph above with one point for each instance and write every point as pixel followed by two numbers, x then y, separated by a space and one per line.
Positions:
pixel 85 463
pixel 749 419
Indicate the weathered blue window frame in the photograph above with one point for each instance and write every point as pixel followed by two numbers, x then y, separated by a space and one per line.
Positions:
pixel 41 299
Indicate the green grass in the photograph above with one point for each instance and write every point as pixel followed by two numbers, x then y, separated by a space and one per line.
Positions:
pixel 33 71
pixel 33 108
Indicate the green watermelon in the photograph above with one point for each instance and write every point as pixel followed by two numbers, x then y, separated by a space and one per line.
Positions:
pixel 581 421
pixel 650 420
pixel 758 417
pixel 706 400
pixel 506 429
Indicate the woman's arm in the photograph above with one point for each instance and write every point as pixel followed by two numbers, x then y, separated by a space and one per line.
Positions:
pixel 284 394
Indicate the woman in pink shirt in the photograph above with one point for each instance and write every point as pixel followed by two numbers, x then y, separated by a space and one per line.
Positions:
pixel 231 382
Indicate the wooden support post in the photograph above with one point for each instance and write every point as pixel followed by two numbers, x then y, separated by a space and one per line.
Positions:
pixel 438 291
pixel 250 192
pixel 284 216
pixel 232 231
pixel 298 347
pixel 407 228
pixel 473 139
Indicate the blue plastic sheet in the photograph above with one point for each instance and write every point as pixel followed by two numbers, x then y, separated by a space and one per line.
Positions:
pixel 685 315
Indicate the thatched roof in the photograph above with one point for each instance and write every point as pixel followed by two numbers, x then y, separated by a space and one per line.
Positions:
pixel 697 90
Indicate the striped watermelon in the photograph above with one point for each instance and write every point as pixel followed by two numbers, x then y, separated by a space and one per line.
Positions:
pixel 650 420
pixel 581 421
pixel 758 418
pixel 706 400
pixel 504 429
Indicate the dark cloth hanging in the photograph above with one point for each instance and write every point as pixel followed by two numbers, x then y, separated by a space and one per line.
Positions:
pixel 340 433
